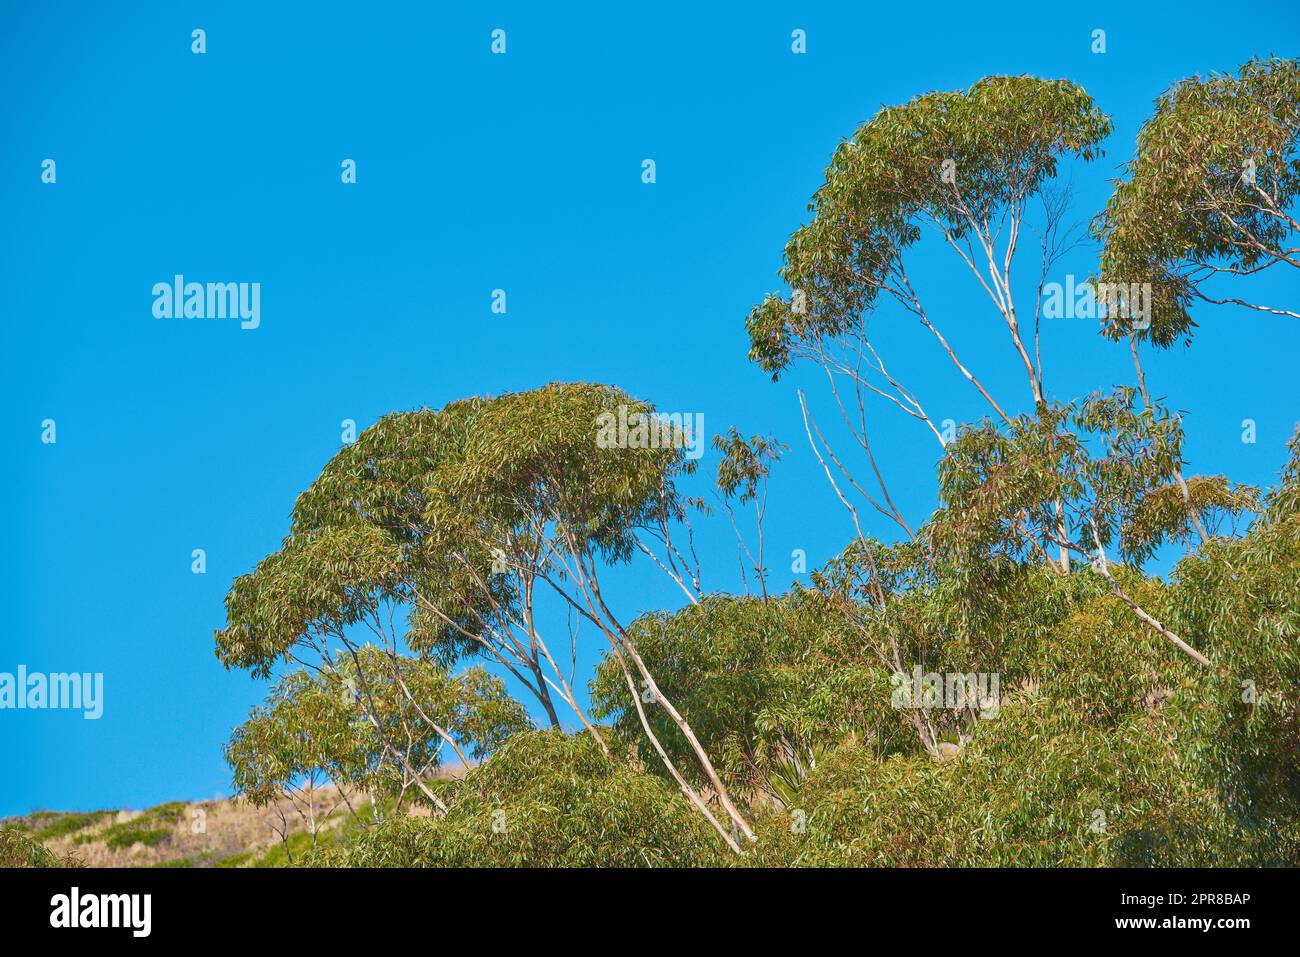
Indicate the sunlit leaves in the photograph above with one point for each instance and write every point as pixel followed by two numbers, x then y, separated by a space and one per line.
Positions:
pixel 1084 475
pixel 745 462
pixel 545 799
pixel 318 582
pixel 316 724
pixel 953 160
pixel 1216 170
pixel 442 511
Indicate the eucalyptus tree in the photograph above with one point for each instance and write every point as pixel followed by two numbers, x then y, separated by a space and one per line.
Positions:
pixel 965 167
pixel 311 731
pixel 1107 750
pixel 1084 477
pixel 743 472
pixel 545 799
pixel 1243 595
pixel 1020 486
pixel 768 685
pixel 1208 198
pixel 464 521
pixel 1209 195
pixel 20 848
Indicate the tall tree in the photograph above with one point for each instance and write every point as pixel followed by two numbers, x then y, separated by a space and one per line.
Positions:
pixel 1209 195
pixel 315 729
pixel 1207 198
pixel 965 166
pixel 465 519
pixel 743 472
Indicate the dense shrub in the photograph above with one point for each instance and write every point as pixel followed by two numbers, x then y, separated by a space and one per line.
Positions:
pixel 18 848
pixel 545 799
pixel 761 683
pixel 1034 787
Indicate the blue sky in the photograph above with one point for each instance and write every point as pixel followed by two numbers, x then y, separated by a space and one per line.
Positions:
pixel 475 172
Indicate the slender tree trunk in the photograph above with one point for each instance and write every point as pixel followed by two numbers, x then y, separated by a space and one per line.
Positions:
pixel 1061 534
pixel 624 641
pixel 1103 569
pixel 544 696
pixel 691 794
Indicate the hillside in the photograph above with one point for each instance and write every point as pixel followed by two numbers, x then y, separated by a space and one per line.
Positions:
pixel 217 833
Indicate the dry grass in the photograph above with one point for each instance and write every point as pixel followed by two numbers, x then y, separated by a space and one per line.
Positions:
pixel 200 834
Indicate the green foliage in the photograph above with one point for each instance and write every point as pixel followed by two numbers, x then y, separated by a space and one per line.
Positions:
pixel 761 684
pixel 1243 597
pixel 545 799
pixel 320 581
pixel 790 772
pixel 150 828
pixel 1003 139
pixel 1189 766
pixel 456 518
pixel 1189 207
pixel 299 847
pixel 745 463
pixel 313 724
pixel 1109 721
pixel 1103 741
pixel 1108 749
pixel 18 848
pixel 1084 475
pixel 1033 788
pixel 62 825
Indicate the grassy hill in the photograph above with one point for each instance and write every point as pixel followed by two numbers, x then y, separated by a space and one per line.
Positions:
pixel 218 833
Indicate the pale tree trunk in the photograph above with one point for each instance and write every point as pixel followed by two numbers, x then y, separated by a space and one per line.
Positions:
pixel 691 794
pixel 1103 569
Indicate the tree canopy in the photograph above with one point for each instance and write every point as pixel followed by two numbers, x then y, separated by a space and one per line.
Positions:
pixel 1209 193
pixel 997 682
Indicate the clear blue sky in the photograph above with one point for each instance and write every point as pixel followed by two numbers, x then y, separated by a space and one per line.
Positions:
pixel 475 172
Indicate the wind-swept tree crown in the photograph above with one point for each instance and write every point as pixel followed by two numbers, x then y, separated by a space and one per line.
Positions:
pixel 955 160
pixel 424 503
pixel 1216 169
